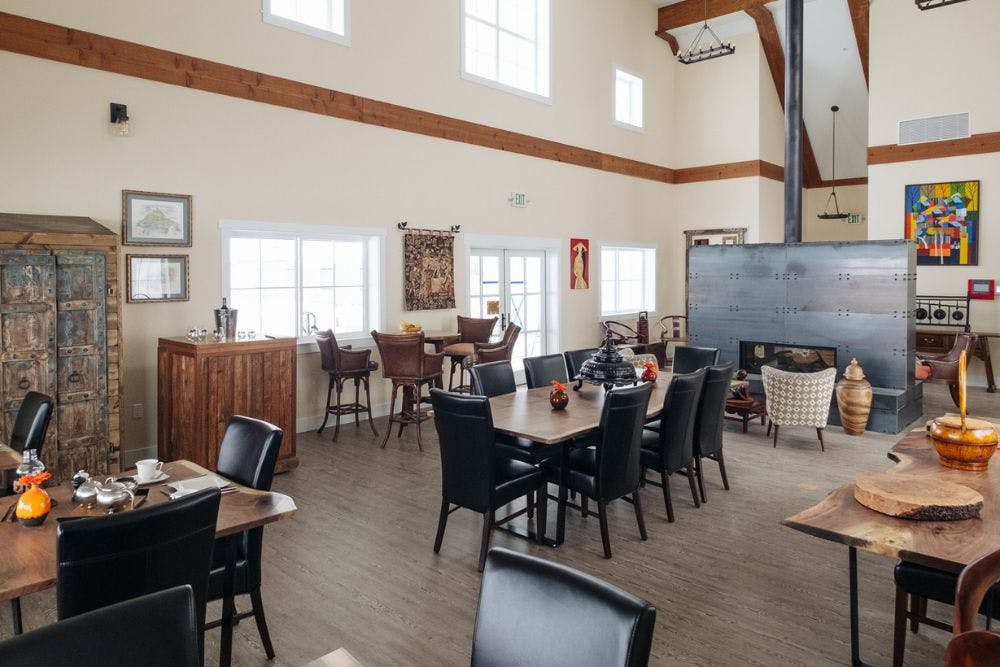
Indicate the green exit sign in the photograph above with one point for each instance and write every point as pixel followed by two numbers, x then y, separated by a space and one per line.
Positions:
pixel 518 199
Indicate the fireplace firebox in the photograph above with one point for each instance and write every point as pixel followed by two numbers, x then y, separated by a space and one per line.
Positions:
pixel 795 359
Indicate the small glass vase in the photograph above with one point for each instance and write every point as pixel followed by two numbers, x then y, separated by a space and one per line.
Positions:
pixel 558 399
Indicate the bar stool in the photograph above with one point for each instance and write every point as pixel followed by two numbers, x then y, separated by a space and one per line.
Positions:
pixel 343 363
pixel 408 365
pixel 470 331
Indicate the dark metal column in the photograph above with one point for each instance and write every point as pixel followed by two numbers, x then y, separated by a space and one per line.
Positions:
pixel 793 121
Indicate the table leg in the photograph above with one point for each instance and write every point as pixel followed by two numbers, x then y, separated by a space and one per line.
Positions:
pixel 984 352
pixel 228 604
pixel 852 558
pixel 563 492
pixel 15 615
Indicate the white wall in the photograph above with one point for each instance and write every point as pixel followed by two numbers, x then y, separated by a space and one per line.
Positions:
pixel 852 199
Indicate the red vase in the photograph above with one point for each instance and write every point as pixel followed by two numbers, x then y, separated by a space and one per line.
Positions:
pixel 649 375
pixel 558 399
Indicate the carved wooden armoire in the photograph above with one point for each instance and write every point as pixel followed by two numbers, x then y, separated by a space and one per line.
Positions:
pixel 60 335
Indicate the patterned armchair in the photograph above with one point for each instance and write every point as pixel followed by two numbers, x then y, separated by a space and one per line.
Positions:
pixel 798 399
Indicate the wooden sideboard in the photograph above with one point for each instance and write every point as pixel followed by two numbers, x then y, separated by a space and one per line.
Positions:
pixel 202 384
pixel 941 341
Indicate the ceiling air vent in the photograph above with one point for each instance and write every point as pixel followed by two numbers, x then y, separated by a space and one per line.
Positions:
pixel 935 128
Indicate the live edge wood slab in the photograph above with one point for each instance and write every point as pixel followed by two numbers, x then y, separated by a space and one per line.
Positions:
pixel 946 545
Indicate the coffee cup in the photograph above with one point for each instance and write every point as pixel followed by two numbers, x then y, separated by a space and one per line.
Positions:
pixel 148 469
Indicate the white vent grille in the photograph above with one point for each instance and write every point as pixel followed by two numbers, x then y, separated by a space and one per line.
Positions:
pixel 935 128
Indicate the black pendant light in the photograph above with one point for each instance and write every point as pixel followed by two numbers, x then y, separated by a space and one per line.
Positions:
pixel 924 5
pixel 696 54
pixel 836 215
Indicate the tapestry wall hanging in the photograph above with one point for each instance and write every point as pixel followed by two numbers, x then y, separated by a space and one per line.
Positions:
pixel 429 270
pixel 943 219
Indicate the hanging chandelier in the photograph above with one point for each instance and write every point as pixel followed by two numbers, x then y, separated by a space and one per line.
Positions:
pixel 934 4
pixel 696 53
pixel 836 215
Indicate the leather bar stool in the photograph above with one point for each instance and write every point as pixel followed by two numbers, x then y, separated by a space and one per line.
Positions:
pixel 343 363
pixel 407 364
pixel 471 330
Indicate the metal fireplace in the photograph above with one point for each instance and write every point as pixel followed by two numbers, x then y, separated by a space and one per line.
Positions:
pixel 794 359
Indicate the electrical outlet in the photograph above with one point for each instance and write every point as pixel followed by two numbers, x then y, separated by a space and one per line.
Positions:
pixel 138 411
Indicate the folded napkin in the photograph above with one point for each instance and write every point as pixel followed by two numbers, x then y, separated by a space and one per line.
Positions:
pixel 186 487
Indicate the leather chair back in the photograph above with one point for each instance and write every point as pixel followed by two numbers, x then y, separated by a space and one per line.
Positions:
pixel 680 410
pixel 620 439
pixel 154 629
pixel 561 615
pixel 108 559
pixel 688 359
pixel 248 454
pixel 708 425
pixel 402 355
pixel 31 423
pixel 540 371
pixel 489 352
pixel 465 432
pixel 575 359
pixel 326 341
pixel 475 330
pixel 493 379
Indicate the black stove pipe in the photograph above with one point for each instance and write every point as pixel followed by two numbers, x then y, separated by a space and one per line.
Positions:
pixel 793 121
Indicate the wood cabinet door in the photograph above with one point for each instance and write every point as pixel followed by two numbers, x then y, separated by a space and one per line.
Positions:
pixel 27 335
pixel 81 331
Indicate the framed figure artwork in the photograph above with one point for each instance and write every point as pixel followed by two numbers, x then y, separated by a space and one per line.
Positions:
pixel 579 277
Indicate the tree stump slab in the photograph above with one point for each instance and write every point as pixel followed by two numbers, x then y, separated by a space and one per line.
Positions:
pixel 918 498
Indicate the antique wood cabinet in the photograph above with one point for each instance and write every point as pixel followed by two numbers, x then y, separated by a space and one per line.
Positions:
pixel 60 335
pixel 202 384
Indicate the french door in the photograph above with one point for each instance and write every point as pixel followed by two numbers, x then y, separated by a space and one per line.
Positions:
pixel 510 284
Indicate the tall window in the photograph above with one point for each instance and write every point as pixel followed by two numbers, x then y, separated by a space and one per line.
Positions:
pixel 292 280
pixel 628 99
pixel 628 280
pixel 328 19
pixel 506 43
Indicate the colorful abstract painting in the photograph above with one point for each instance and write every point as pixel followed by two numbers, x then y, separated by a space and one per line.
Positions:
pixel 943 219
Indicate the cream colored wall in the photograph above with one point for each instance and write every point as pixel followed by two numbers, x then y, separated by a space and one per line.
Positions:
pixel 899 64
pixel 852 199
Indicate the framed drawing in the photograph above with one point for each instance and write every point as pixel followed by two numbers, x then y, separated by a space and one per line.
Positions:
pixel 943 220
pixel 579 277
pixel 155 218
pixel 154 278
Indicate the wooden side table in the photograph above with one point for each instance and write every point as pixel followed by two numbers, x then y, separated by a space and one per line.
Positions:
pixel 745 410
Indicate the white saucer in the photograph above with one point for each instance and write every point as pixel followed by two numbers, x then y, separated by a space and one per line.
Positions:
pixel 156 480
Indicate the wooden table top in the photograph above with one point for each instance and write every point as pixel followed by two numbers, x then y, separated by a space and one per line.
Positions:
pixel 527 414
pixel 28 555
pixel 946 545
pixel 9 459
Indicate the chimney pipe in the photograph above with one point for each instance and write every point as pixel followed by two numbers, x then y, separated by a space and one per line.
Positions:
pixel 793 121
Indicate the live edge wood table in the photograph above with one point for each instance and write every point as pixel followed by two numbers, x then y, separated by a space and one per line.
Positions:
pixel 28 555
pixel 945 545
pixel 527 414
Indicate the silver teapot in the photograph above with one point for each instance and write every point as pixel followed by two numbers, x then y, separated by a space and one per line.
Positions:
pixel 112 496
pixel 86 493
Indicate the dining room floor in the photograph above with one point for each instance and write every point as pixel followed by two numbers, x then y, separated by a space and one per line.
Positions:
pixel 354 567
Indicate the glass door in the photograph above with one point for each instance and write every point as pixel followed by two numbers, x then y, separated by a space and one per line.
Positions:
pixel 510 284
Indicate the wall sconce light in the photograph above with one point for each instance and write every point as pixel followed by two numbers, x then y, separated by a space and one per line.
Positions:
pixel 119 125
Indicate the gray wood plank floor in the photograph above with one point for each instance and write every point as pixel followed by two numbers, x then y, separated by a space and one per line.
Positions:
pixel 355 568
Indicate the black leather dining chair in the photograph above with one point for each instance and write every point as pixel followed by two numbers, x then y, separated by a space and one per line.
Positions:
pixel 575 358
pixel 493 379
pixel 247 456
pixel 670 449
pixel 688 359
pixel 562 617
pixel 540 371
pixel 108 559
pixel 708 424
pixel 473 475
pixel 611 469
pixel 31 423
pixel 154 630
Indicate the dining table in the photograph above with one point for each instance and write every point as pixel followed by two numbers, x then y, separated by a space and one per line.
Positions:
pixel 9 458
pixel 527 413
pixel 943 545
pixel 28 554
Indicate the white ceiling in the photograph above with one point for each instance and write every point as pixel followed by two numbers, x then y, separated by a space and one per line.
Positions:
pixel 832 75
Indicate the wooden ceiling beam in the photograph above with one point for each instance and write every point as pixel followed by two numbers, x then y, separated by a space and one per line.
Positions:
pixel 859 17
pixel 690 12
pixel 775 55
pixel 669 39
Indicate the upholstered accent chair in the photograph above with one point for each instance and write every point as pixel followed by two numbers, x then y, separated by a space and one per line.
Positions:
pixel 798 399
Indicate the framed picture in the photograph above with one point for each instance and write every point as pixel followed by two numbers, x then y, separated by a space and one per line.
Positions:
pixel 153 278
pixel 943 220
pixel 579 277
pixel 155 218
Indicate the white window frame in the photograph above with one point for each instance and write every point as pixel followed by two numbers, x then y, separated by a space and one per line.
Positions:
pixel 649 278
pixel 614 99
pixel 475 78
pixel 375 303
pixel 291 24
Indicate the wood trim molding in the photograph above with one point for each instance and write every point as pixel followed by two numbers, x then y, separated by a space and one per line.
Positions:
pixel 977 144
pixel 669 39
pixel 689 12
pixel 859 17
pixel 844 182
pixel 727 170
pixel 767 29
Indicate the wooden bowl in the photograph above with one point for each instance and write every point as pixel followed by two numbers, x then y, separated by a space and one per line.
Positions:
pixel 968 449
